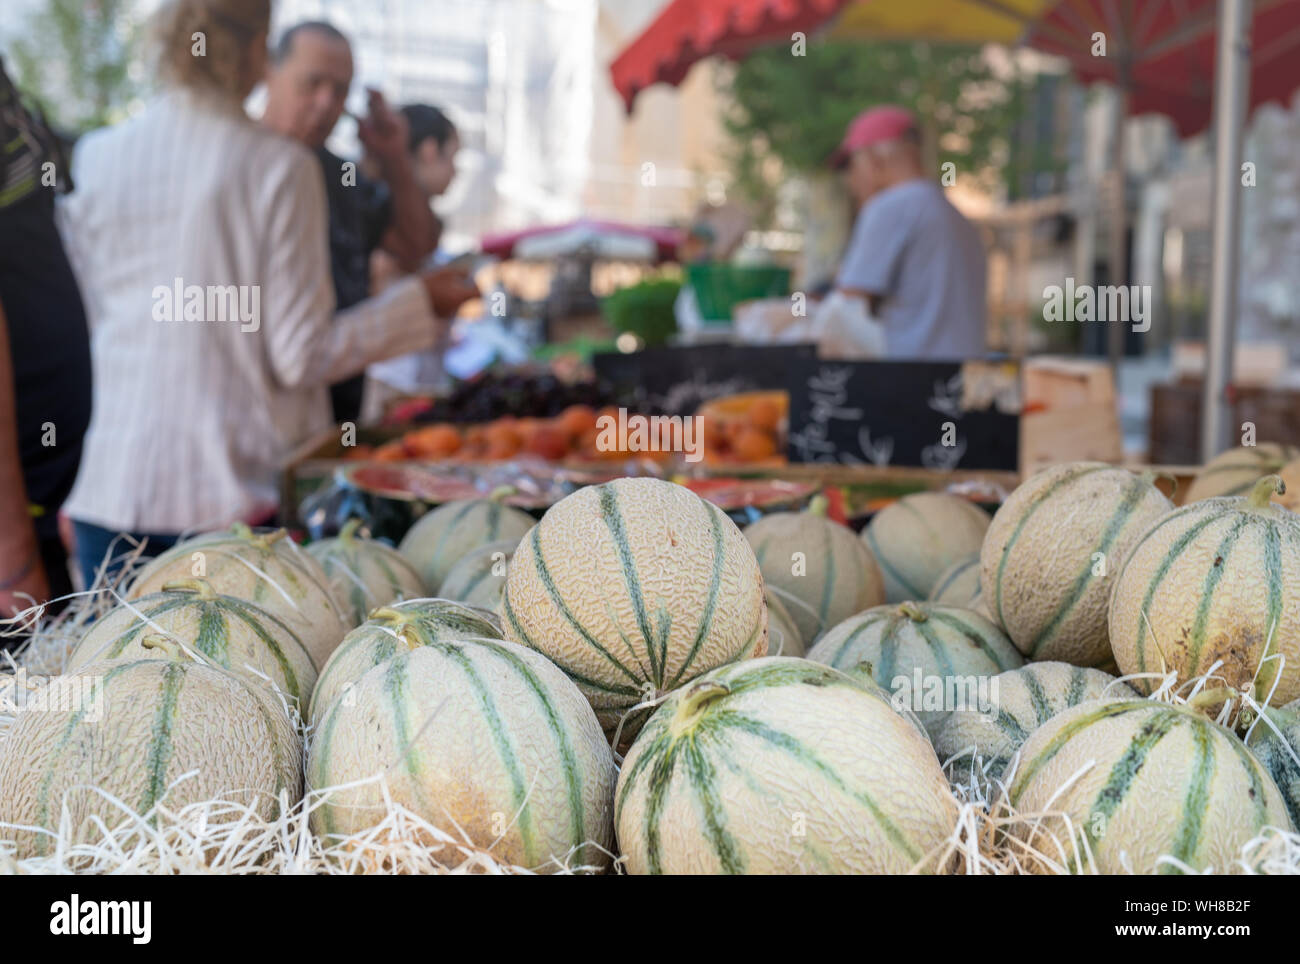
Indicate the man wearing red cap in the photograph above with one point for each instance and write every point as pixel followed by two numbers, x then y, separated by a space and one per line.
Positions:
pixel 916 260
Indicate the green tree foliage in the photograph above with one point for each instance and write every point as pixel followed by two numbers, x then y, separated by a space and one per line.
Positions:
pixel 794 109
pixel 74 58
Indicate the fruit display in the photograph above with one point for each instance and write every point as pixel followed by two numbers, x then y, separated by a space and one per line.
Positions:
pixel 265 568
pixel 959 584
pixel 203 625
pixel 1212 584
pixel 492 737
pixel 710 785
pixel 1053 551
pixel 479 578
pixel 823 572
pixel 634 588
pixel 442 538
pixel 365 573
pixel 1148 788
pixel 937 658
pixel 394 629
pixel 917 538
pixel 748 428
pixel 1027 697
pixel 558 671
pixel 163 732
pixel 1234 472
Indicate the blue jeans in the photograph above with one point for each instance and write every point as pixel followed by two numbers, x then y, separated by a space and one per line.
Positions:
pixel 93 543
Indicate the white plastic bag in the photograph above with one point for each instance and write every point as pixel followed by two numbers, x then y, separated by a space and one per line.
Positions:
pixel 843 328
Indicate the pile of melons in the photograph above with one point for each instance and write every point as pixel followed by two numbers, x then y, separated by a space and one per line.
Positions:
pixel 634 681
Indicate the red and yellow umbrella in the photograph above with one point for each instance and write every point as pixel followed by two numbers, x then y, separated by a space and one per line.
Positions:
pixel 1161 52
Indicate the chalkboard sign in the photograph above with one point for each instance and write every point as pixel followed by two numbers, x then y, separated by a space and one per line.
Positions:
pixel 677 381
pixel 936 415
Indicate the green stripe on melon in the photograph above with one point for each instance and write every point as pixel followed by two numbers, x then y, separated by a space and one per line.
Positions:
pixel 1141 781
pixel 391 630
pixel 133 729
pixel 1214 582
pixel 480 737
pixel 267 569
pixel 365 573
pixel 634 588
pixel 1235 471
pixel 959 584
pixel 1025 699
pixel 780 765
pixel 916 539
pixel 479 579
pixel 823 572
pixel 953 650
pixel 1275 742
pixel 446 535
pixel 1052 552
pixel 221 630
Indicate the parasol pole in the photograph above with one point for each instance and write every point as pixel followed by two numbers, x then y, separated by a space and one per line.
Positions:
pixel 1231 86
pixel 1119 218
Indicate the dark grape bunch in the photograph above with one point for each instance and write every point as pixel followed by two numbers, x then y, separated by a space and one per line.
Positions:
pixel 490 395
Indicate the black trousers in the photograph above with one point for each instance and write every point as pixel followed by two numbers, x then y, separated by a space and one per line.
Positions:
pixel 50 349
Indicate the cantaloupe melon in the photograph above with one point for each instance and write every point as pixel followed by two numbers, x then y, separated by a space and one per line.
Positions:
pixel 267 569
pixel 364 573
pixel 447 534
pixel 1141 780
pixel 1051 555
pixel 1275 742
pixel 1234 472
pixel 930 657
pixel 918 537
pixel 959 584
pixel 1026 699
pixel 1215 580
pixel 482 738
pixel 781 766
pixel 221 630
pixel 133 729
pixel 783 637
pixel 823 571
pixel 634 588
pixel 394 629
pixel 479 579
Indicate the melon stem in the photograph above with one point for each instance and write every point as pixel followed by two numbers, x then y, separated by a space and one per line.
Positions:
pixel 695 699
pixel 818 505
pixel 348 531
pixel 1264 490
pixel 200 586
pixel 913 612
pixel 501 492
pixel 159 641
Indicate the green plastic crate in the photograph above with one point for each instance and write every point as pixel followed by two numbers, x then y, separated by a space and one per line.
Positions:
pixel 719 287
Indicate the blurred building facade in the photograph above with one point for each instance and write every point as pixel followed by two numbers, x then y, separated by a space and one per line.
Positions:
pixel 544 135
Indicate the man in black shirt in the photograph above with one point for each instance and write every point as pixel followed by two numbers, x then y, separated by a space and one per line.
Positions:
pixel 44 361
pixel 307 85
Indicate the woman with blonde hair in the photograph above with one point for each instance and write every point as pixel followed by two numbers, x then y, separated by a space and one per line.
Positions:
pixel 199 241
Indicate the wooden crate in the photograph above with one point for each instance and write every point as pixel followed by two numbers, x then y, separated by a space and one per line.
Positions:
pixel 1174 432
pixel 1070 414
